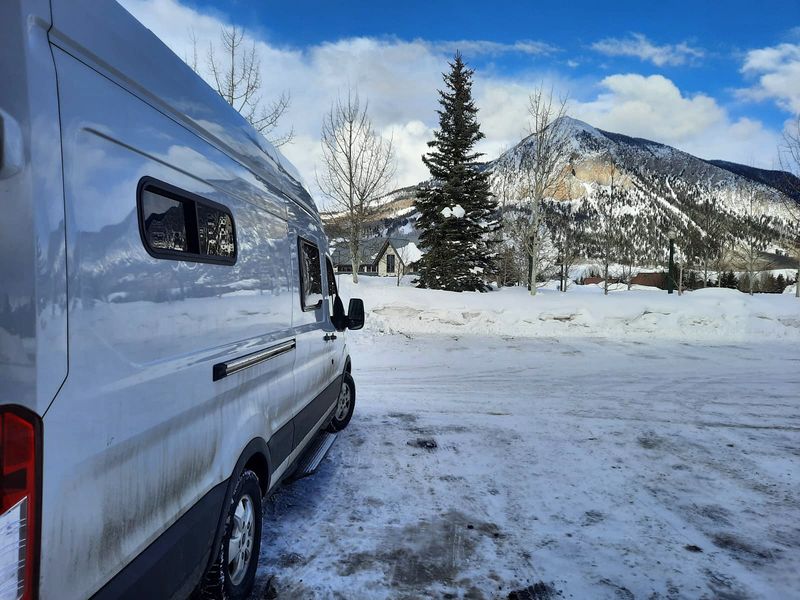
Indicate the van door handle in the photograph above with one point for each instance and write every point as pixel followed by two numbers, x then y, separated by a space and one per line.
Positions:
pixel 329 337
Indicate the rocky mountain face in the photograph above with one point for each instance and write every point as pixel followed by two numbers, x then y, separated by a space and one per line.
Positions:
pixel 664 188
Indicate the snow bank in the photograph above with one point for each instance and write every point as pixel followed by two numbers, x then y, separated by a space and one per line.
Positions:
pixel 709 314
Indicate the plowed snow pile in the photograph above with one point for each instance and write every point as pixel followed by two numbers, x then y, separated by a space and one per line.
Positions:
pixel 707 314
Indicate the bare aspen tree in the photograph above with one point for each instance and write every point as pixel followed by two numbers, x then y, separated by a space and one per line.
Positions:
pixel 357 167
pixel 711 244
pixel 404 254
pixel 234 71
pixel 789 155
pixel 503 189
pixel 723 244
pixel 544 168
pixel 754 235
pixel 609 230
pixel 625 247
pixel 192 60
pixel 567 225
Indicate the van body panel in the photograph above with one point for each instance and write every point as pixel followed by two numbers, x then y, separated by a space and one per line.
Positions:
pixel 33 310
pixel 114 346
pixel 104 36
pixel 155 573
pixel 140 433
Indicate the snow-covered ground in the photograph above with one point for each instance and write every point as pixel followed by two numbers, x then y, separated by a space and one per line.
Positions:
pixel 611 454
pixel 644 312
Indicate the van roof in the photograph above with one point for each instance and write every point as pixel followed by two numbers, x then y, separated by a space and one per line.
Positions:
pixel 111 40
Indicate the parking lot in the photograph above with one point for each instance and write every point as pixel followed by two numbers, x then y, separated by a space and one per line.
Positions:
pixel 496 467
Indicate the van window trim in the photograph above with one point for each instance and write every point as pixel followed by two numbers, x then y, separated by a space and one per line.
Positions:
pixel 329 263
pixel 173 192
pixel 300 241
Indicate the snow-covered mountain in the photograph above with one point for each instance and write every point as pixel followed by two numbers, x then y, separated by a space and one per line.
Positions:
pixel 660 183
pixel 651 168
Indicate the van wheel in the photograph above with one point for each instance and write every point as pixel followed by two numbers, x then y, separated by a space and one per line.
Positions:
pixel 233 574
pixel 345 404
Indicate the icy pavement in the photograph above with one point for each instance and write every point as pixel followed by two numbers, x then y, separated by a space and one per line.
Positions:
pixel 588 468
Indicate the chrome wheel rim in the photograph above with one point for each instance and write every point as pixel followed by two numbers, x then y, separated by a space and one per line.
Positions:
pixel 240 545
pixel 343 404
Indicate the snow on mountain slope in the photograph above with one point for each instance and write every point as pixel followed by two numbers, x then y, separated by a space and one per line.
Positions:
pixel 645 172
pixel 659 183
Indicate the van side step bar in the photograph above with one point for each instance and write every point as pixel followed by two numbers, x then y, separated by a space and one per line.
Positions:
pixel 313 457
pixel 250 360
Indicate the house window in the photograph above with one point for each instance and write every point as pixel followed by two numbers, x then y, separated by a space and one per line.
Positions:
pixel 390 263
pixel 310 276
pixel 178 225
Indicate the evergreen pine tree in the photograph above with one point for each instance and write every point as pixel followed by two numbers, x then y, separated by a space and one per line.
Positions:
pixel 457 212
pixel 729 280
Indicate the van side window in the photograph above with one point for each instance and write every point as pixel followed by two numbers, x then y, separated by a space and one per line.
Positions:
pixel 178 225
pixel 215 231
pixel 310 276
pixel 164 222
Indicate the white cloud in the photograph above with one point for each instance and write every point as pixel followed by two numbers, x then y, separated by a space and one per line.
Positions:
pixel 655 108
pixel 638 46
pixel 777 70
pixel 485 47
pixel 399 79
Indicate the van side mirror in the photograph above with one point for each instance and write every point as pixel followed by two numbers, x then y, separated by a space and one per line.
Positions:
pixel 355 314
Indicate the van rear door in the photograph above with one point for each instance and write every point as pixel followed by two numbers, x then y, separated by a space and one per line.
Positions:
pixel 33 318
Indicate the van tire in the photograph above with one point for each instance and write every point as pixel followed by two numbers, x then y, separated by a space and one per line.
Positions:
pixel 243 515
pixel 345 404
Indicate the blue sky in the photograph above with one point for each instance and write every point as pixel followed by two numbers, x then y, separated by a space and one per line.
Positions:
pixel 718 79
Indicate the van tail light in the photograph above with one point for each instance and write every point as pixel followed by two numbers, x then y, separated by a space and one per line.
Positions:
pixel 20 489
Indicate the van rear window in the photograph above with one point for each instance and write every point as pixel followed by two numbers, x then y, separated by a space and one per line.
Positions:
pixel 178 225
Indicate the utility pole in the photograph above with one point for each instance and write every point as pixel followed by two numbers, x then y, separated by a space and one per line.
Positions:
pixel 670 278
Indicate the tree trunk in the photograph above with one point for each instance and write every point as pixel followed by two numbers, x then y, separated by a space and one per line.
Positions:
pixel 797 283
pixel 680 281
pixel 356 265
pixel 533 263
pixel 605 279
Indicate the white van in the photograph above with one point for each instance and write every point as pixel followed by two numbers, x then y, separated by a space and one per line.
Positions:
pixel 170 329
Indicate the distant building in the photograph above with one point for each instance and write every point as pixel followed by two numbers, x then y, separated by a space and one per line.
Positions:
pixel 384 257
pixel 650 279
